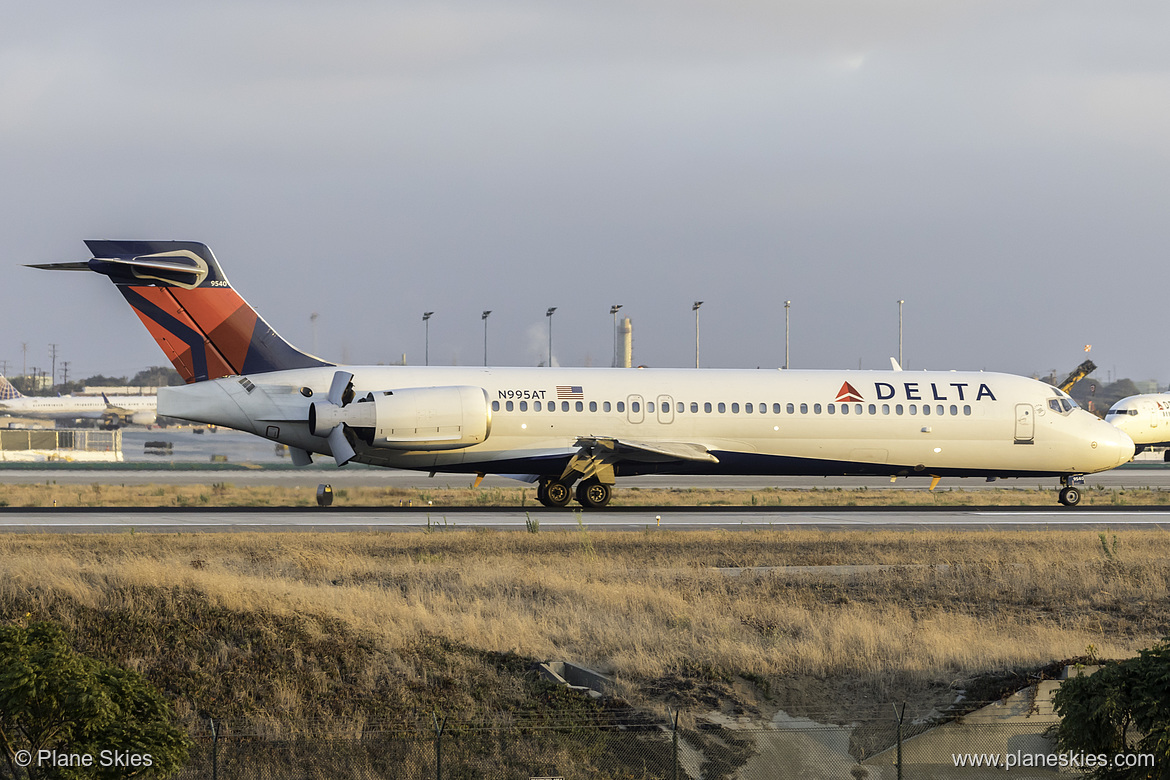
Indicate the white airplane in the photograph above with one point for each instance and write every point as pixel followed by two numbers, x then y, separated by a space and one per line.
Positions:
pixel 114 411
pixel 584 427
pixel 1145 418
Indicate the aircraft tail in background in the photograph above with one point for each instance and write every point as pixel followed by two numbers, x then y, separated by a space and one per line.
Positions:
pixel 7 391
pixel 180 293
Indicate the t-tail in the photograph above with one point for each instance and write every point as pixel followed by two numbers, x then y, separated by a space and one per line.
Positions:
pixel 180 293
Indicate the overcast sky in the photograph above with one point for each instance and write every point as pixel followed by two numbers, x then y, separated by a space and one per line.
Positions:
pixel 1001 166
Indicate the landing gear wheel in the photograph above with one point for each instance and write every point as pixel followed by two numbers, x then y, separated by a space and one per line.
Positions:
pixel 542 493
pixel 556 493
pixel 1070 496
pixel 593 494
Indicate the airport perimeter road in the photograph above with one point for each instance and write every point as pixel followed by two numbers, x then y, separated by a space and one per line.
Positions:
pixel 1153 477
pixel 673 518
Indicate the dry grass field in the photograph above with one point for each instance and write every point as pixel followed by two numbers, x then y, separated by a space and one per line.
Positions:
pixel 291 631
pixel 225 493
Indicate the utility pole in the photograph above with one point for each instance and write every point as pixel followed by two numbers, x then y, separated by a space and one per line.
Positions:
pixel 695 309
pixel 484 317
pixel 549 314
pixel 64 372
pixel 53 358
pixel 24 355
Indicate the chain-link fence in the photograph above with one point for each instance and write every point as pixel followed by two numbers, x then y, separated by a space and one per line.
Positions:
pixel 637 751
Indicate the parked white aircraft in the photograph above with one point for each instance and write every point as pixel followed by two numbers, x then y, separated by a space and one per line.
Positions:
pixel 1145 418
pixel 562 427
pixel 114 411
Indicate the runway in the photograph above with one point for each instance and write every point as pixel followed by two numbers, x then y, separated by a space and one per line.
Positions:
pixel 617 519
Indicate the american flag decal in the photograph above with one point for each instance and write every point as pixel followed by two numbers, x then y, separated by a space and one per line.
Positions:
pixel 570 393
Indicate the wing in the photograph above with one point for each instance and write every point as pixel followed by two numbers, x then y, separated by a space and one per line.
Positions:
pixel 597 455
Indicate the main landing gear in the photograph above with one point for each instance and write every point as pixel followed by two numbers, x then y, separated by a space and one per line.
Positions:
pixel 590 493
pixel 1070 494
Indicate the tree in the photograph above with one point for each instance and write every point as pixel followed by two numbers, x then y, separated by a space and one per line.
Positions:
pixel 157 376
pixel 1123 708
pixel 53 698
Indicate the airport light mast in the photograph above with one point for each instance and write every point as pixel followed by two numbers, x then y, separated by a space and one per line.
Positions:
pixel 614 311
pixel 427 325
pixel 549 314
pixel 484 317
pixel 695 309
pixel 787 308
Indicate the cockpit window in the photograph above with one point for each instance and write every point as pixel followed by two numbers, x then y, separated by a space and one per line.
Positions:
pixel 1124 412
pixel 1060 405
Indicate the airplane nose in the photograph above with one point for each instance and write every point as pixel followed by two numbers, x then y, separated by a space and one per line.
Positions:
pixel 1113 445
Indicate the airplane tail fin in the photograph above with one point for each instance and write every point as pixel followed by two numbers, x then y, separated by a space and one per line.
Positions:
pixel 183 298
pixel 7 391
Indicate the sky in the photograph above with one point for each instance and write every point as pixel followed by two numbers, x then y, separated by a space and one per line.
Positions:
pixel 1002 167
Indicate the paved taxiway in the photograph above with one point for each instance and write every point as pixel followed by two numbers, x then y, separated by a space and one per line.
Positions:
pixel 623 519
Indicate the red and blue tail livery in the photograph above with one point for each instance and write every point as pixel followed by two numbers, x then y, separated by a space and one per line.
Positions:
pixel 183 298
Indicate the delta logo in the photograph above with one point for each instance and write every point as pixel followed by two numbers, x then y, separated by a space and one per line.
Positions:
pixel 914 391
pixel 848 393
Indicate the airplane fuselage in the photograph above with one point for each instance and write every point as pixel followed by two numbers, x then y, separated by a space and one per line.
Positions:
pixel 69 407
pixel 929 423
pixel 1145 418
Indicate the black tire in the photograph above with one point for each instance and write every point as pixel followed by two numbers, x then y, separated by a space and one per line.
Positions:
pixel 1070 496
pixel 557 493
pixel 593 494
pixel 542 493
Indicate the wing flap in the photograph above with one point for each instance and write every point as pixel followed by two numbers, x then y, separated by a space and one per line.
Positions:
pixel 649 452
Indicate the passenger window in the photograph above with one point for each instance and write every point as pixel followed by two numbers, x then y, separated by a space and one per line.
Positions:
pixel 580 406
pixel 885 408
pixel 593 406
pixel 804 408
pixel 967 409
pixel 495 406
pixel 898 409
pixel 536 406
pixel 747 409
pixel 722 408
pixel 707 407
pixel 681 407
pixel 954 410
pixel 635 407
pixel 832 408
pixel 508 406
pixel 776 408
pixel 913 408
pixel 735 408
pixel 925 409
pixel 857 408
pixel 816 408
pixel 621 406
pixel 605 407
pixel 650 407
pixel 844 408
pixel 940 410
pixel 694 407
pixel 872 409
pixel 763 408
pixel 524 406
pixel 564 406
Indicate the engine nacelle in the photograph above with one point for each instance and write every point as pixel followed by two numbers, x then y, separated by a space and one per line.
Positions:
pixel 414 418
pixel 144 418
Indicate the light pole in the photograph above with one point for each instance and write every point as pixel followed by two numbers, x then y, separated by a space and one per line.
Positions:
pixel 313 323
pixel 549 314
pixel 695 309
pixel 614 310
pixel 484 317
pixel 787 308
pixel 900 364
pixel 427 325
